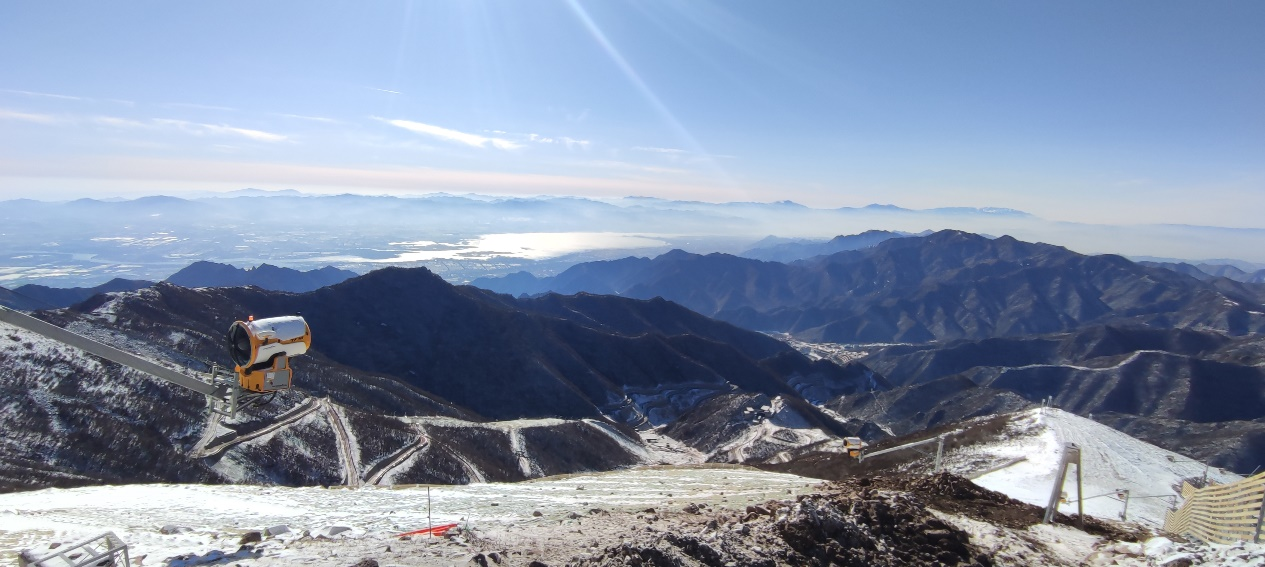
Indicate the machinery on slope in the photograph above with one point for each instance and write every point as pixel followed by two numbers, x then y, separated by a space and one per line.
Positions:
pixel 260 349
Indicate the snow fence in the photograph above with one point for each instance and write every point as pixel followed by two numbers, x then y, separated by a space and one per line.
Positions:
pixel 1223 513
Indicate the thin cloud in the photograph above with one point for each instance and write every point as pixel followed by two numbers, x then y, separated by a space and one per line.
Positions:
pixel 570 143
pixel 29 117
pixel 309 118
pixel 681 155
pixel 672 151
pixel 220 129
pixel 117 122
pixel 473 140
pixel 198 106
pixel 384 90
pixel 44 95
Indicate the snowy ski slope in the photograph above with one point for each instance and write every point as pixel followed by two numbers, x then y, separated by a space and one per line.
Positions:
pixel 1112 461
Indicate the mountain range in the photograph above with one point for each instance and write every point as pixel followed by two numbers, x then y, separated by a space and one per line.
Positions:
pixel 412 379
pixel 944 286
pixel 777 251
pixel 32 296
pixel 1207 271
pixel 266 276
pixel 498 388
pixel 197 274
pixel 963 325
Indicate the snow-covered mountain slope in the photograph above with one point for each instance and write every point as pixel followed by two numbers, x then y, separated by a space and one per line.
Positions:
pixel 71 419
pixel 608 367
pixel 747 428
pixel 1112 461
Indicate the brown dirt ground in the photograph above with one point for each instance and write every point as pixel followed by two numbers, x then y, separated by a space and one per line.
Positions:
pixel 881 521
pixel 956 495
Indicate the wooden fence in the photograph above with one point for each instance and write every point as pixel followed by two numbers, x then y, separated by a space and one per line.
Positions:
pixel 1223 513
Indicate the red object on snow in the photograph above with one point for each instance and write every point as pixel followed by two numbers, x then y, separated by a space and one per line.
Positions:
pixel 437 530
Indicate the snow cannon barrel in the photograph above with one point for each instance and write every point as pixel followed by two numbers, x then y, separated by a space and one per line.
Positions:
pixel 262 348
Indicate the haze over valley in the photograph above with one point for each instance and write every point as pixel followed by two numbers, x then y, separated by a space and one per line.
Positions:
pixel 85 243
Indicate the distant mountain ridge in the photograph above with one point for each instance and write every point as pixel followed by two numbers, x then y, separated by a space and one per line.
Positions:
pixel 948 285
pixel 1206 271
pixel 791 251
pixel 197 274
pixel 267 276
pixel 12 300
pixel 43 297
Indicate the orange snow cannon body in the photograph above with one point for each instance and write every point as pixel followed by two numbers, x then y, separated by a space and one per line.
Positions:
pixel 262 348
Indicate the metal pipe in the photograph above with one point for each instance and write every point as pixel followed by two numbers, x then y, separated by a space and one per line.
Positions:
pixel 107 352
pixel 1071 455
pixel 939 453
pixel 1080 492
pixel 939 439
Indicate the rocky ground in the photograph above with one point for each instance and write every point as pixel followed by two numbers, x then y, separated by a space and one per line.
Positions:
pixel 941 520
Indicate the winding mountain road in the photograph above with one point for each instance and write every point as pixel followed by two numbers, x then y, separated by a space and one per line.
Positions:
pixel 349 461
pixel 375 474
pixel 300 411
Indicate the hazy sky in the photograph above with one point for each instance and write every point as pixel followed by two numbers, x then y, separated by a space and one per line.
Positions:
pixel 1086 111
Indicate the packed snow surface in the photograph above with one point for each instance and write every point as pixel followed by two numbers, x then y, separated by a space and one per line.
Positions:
pixel 1112 461
pixel 214 517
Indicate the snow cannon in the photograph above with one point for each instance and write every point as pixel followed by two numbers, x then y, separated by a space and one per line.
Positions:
pixel 853 446
pixel 262 348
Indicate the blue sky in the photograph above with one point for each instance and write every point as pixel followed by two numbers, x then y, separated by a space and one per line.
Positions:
pixel 1115 112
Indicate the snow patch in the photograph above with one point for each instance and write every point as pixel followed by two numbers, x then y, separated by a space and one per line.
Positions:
pixel 629 445
pixel 1112 461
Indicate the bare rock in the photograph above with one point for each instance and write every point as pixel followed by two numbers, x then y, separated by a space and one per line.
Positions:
pixel 277 530
pixel 331 531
